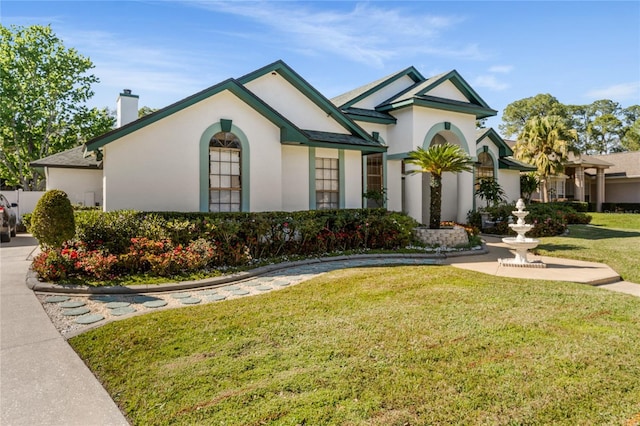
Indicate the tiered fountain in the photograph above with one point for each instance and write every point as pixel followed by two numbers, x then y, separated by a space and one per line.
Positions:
pixel 521 244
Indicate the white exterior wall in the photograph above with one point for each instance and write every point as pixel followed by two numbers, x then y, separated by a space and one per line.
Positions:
pixel 353 179
pixel 447 90
pixel 394 185
pixel 400 136
pixel 295 178
pixel 509 180
pixel 291 103
pixel 385 93
pixel 82 186
pixel 413 194
pixel 158 167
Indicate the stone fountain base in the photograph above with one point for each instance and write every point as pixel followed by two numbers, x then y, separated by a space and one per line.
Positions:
pixel 529 264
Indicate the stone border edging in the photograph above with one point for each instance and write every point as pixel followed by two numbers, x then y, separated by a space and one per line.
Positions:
pixel 35 284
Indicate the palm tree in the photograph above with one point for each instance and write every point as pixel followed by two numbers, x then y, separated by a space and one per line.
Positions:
pixel 545 143
pixel 436 160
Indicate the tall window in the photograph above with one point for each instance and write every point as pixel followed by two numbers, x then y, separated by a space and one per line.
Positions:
pixel 485 168
pixel 224 173
pixel 374 178
pixel 327 183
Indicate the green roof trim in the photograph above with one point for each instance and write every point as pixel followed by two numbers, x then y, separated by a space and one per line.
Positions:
pixel 348 99
pixel 503 149
pixel 418 95
pixel 292 133
pixel 310 92
pixel 370 116
pixel 511 163
pixel 442 104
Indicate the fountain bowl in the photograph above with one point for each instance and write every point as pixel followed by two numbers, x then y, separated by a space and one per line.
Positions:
pixel 526 243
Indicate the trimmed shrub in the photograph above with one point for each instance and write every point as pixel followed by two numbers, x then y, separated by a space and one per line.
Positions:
pixel 52 222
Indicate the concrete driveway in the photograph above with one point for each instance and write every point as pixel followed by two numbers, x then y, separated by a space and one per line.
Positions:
pixel 42 380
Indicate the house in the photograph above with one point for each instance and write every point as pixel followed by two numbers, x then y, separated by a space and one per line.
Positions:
pixel 269 141
pixel 598 179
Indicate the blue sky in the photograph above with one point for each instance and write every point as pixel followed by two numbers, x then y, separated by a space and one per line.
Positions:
pixel 506 50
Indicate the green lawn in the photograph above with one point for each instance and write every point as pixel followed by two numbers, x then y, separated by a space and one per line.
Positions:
pixel 611 238
pixel 381 346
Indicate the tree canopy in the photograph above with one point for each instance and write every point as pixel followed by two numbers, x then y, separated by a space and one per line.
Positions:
pixel 545 142
pixel 601 127
pixel 43 90
pixel 437 159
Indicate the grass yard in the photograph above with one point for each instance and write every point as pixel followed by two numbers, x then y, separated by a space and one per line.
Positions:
pixel 611 238
pixel 381 346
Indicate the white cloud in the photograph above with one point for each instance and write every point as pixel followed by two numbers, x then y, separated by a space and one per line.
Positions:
pixel 365 33
pixel 501 69
pixel 490 82
pixel 617 92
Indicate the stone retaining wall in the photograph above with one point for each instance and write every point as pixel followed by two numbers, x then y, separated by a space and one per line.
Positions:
pixel 446 237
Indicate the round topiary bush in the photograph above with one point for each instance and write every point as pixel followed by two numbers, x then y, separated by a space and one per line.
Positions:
pixel 52 221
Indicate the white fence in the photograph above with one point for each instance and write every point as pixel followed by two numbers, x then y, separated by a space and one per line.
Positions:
pixel 26 200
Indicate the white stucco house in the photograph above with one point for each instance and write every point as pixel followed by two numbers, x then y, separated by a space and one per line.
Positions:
pixel 269 141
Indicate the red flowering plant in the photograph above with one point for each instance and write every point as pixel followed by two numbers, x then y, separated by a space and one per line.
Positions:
pixel 51 265
pixel 97 264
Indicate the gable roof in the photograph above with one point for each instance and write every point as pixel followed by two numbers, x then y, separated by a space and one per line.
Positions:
pixel 346 100
pixel 622 163
pixel 73 158
pixel 289 133
pixel 503 148
pixel 311 93
pixel 418 95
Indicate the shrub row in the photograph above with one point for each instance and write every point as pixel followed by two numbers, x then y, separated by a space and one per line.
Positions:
pixel 549 219
pixel 107 244
pixel 621 207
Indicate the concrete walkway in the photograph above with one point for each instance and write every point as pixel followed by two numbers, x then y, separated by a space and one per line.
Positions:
pixel 44 382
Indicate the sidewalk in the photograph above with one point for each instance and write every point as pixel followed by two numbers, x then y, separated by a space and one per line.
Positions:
pixel 42 380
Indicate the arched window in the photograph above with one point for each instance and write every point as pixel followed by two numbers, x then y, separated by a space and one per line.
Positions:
pixel 484 168
pixel 225 184
pixel 438 140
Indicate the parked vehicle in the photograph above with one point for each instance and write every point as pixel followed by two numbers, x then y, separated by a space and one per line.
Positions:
pixel 8 219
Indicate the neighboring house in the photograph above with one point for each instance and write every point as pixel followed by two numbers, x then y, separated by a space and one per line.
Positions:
pixel 270 141
pixel 598 179
pixel 79 175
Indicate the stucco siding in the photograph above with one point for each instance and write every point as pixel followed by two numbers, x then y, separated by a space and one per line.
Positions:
pixel 82 186
pixel 394 185
pixel 293 104
pixel 295 178
pixel 353 179
pixel 447 90
pixel 509 180
pixel 158 167
pixel 375 99
pixel 627 191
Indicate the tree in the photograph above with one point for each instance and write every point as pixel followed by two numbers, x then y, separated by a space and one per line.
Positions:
pixel 490 190
pixel 436 160
pixel 545 142
pixel 605 133
pixel 528 185
pixel 517 113
pixel 43 90
pixel 631 138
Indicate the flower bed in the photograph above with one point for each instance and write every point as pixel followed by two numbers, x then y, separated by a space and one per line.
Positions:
pixel 112 244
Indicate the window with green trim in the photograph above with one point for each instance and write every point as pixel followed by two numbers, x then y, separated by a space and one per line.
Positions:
pixel 485 168
pixel 225 184
pixel 374 179
pixel 327 183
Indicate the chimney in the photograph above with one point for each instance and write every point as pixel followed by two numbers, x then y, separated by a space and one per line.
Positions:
pixel 127 108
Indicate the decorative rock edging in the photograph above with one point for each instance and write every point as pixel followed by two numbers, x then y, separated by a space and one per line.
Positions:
pixel 35 284
pixel 444 237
